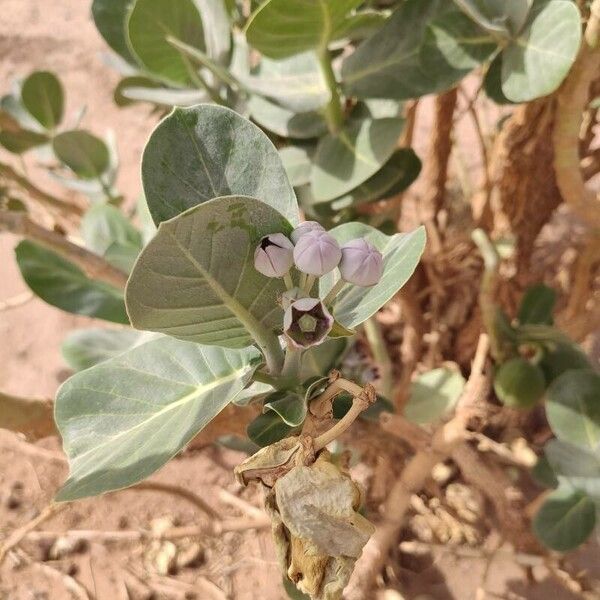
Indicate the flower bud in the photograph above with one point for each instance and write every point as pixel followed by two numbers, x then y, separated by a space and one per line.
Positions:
pixel 317 253
pixel 361 264
pixel 274 255
pixel 304 228
pixel 307 322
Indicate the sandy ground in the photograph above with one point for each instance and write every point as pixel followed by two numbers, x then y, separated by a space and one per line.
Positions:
pixel 61 37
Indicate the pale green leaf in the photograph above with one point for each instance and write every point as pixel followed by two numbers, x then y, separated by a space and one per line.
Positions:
pixel 536 62
pixel 297 163
pixel 110 18
pixel 345 160
pixel 573 408
pixel 281 28
pixel 142 89
pixel 205 151
pixel 43 97
pixel 84 348
pixel 149 25
pixel 125 418
pixel 196 279
pixel 85 154
pixel 217 34
pixel 565 520
pixel 21 140
pixel 433 394
pixel 268 428
pixel 103 225
pixel 401 253
pixel 426 46
pixel 290 406
pixel 64 285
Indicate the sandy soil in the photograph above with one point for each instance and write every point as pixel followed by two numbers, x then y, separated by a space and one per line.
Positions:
pixel 60 36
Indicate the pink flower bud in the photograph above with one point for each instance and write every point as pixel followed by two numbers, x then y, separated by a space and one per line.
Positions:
pixel 307 322
pixel 317 253
pixel 361 264
pixel 304 228
pixel 274 255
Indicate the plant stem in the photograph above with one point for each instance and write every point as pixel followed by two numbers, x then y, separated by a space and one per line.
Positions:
pixel 92 264
pixel 290 372
pixel 334 114
pixel 308 284
pixel 333 292
pixel 381 356
pixel 289 284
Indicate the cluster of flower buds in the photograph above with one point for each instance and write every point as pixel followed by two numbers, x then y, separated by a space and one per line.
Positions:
pixel 314 253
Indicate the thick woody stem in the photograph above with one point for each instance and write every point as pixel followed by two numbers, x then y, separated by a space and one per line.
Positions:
pixel 418 469
pixel 92 264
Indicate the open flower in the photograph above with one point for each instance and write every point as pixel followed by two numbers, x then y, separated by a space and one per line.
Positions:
pixel 274 255
pixel 307 322
pixel 305 228
pixel 361 264
pixel 317 253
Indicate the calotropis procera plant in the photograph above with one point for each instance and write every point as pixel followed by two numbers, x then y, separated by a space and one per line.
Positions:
pixel 331 77
pixel 239 293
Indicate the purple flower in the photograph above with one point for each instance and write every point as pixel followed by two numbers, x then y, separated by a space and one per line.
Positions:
pixel 274 255
pixel 307 322
pixel 305 228
pixel 361 264
pixel 317 253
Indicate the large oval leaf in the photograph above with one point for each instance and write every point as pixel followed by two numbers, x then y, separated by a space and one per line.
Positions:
pixel 123 419
pixel 401 253
pixel 196 279
pixel 43 97
pixel 205 151
pixel 110 18
pixel 345 160
pixel 64 285
pixel 573 408
pixel 536 62
pixel 281 28
pixel 565 520
pixel 152 23
pixel 426 46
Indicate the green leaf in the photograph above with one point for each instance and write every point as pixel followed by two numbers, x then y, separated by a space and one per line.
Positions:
pixel 268 428
pixel 579 466
pixel 64 285
pixel 500 18
pixel 426 46
pixel 11 105
pixel 103 225
pixel 535 63
pixel 21 140
pixel 217 33
pixel 492 83
pixel 565 520
pixel 543 474
pixel 206 151
pixel 295 83
pixel 561 358
pixel 573 409
pixel 285 122
pixel 85 154
pixel 122 255
pixel 149 25
pixel 124 418
pixel 319 360
pixel 344 161
pixel 110 18
pixel 433 394
pixel 394 177
pixel 43 97
pixel 297 163
pixel 196 279
pixel 290 406
pixel 281 28
pixel 537 305
pixel 360 25
pixel 84 348
pixel 401 253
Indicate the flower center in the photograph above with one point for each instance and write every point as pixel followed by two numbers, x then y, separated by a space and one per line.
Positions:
pixel 307 324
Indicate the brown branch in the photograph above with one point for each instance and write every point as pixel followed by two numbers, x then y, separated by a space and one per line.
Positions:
pixel 47 200
pixel 572 101
pixel 416 473
pixel 92 264
pixel 33 417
